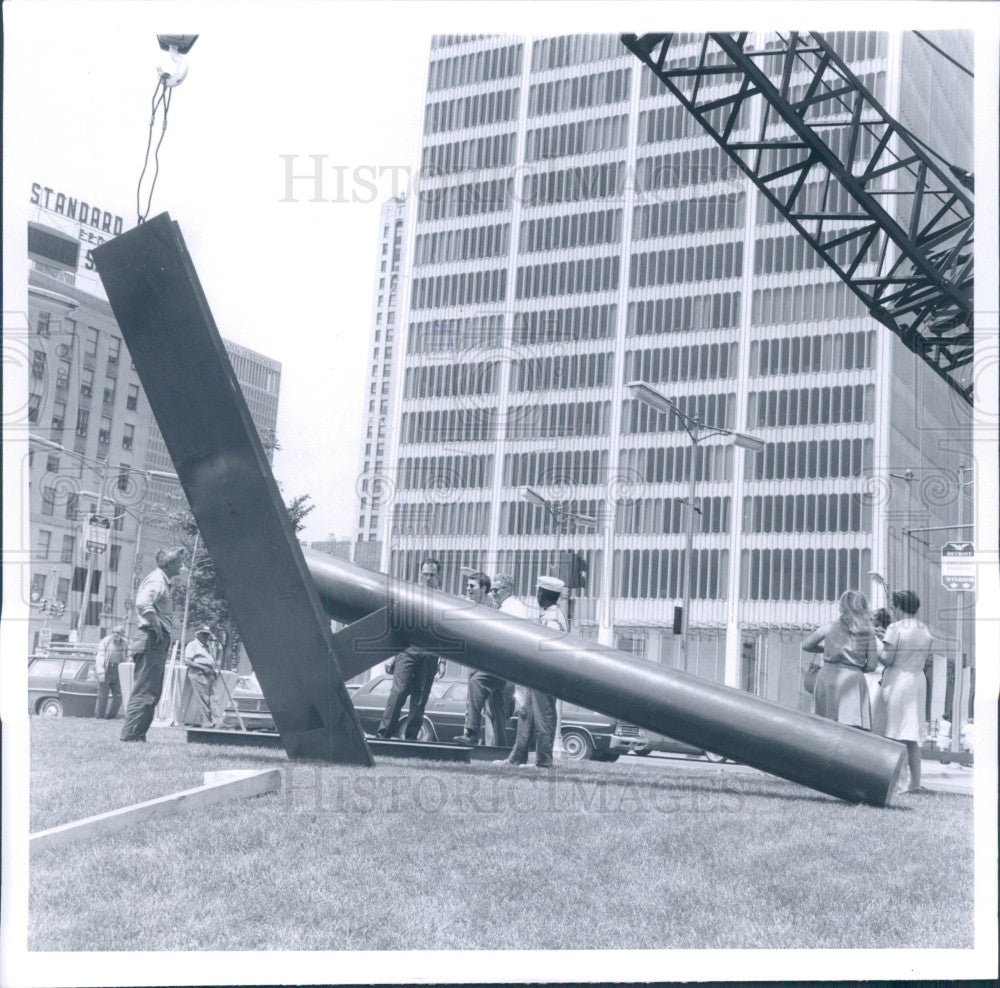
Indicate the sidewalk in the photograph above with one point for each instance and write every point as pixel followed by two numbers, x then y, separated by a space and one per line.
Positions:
pixel 946 778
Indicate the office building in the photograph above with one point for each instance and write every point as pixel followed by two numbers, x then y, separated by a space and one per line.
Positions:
pixel 574 230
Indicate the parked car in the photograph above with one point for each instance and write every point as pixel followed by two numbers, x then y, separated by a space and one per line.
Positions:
pixel 585 734
pixel 62 684
pixel 650 742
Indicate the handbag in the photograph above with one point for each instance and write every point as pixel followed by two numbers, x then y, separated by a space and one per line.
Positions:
pixel 809 679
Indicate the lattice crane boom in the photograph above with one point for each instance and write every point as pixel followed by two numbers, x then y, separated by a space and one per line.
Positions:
pixel 894 223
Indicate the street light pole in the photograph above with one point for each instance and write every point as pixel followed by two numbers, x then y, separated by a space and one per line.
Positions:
pixel 692 425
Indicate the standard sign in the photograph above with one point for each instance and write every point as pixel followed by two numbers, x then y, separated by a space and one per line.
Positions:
pixel 957 566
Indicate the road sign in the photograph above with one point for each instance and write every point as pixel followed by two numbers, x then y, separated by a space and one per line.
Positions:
pixel 97 534
pixel 958 568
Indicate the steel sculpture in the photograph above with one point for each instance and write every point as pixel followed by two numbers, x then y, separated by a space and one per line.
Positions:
pixel 278 594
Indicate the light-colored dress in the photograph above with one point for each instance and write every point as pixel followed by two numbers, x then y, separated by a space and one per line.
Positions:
pixel 901 700
pixel 841 690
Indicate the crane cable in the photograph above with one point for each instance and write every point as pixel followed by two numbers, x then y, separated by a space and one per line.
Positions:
pixel 944 54
pixel 161 97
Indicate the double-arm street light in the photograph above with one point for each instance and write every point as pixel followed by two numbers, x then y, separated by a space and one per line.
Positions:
pixel 696 432
pixel 562 516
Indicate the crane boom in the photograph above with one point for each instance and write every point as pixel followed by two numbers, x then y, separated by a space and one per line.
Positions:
pixel 894 223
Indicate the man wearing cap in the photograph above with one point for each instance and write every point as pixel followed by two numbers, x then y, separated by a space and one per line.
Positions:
pixel 412 675
pixel 540 710
pixel 155 606
pixel 112 650
pixel 485 689
pixel 202 673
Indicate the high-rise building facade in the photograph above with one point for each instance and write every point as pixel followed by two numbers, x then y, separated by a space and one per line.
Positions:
pixel 575 230
pixel 374 479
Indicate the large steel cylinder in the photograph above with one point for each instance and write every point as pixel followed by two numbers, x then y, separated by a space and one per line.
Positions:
pixel 841 761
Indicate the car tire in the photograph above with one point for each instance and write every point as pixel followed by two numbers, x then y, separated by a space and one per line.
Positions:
pixel 713 757
pixel 577 746
pixel 50 707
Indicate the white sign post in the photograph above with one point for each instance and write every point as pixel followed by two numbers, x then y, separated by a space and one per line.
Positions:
pixel 958 570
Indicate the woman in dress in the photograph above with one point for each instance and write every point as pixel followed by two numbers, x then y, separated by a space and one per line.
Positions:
pixel 899 704
pixel 849 650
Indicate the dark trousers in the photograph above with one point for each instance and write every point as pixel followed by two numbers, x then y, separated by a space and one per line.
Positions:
pixel 539 715
pixel 147 686
pixel 111 685
pixel 412 677
pixel 487 691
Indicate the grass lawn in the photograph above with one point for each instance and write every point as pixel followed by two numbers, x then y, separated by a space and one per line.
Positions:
pixel 412 855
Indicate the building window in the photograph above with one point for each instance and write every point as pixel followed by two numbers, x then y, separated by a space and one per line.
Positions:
pixel 48 500
pixel 68 546
pixel 128 432
pixel 38 364
pixel 132 400
pixel 90 344
pixel 34 406
pixel 42 546
pixel 73 507
pixel 109 392
pixel 52 463
pixel 114 557
pixel 86 383
pixel 114 351
pixel 82 422
pixel 43 324
pixel 58 415
pixel 104 433
pixel 62 375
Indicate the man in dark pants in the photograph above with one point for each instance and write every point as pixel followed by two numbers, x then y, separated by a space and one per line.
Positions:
pixel 412 675
pixel 111 652
pixel 540 709
pixel 155 607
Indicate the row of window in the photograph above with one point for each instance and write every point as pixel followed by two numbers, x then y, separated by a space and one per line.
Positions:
pixel 794 253
pixel 679 216
pixel 669 516
pixel 672 465
pixel 591 274
pixel 640 573
pixel 667 123
pixel 579 92
pixel 711 410
pixel 441 518
pixel 805 303
pixel 545 326
pixel 811 406
pixel 705 262
pixel 458 425
pixel 82 424
pixel 582 370
pixel 425 473
pixel 812 354
pixel 570 230
pixel 492 151
pixel 525 518
pixel 495 106
pixel 555 468
pixel 820 196
pixel 465 244
pixel 804 93
pixel 480 66
pixel 680 315
pixel 806 513
pixel 811 459
pixel 465 200
pixel 573 49
pixel 460 289
pixel 452 380
pixel 697 166
pixel 802 574
pixel 575 184
pixel 577 137
pixel 562 421
pixel 707 362
pixel 449 41
pixel 469 333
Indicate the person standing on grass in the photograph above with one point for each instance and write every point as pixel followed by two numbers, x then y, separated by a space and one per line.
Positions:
pixel 112 650
pixel 155 606
pixel 900 701
pixel 849 650
pixel 485 689
pixel 539 712
pixel 413 675
pixel 202 675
